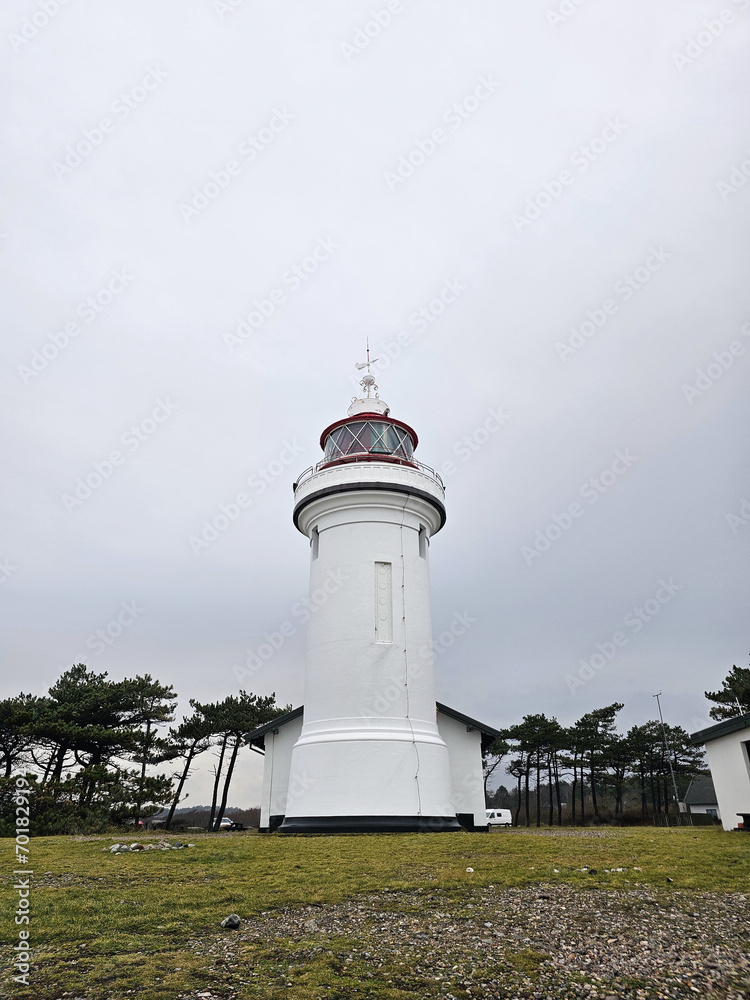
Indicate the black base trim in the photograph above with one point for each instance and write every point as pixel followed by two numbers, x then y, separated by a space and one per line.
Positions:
pixel 274 822
pixel 369 824
pixel 467 822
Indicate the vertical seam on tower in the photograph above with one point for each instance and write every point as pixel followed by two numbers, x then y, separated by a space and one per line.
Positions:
pixel 406 656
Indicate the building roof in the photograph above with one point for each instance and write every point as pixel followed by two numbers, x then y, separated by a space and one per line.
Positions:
pixel 255 738
pixel 721 729
pixel 700 792
pixel 489 735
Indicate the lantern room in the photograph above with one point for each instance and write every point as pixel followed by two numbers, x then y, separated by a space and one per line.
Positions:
pixel 369 437
pixel 368 433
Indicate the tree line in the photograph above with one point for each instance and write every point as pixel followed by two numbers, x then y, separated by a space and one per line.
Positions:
pixel 591 771
pixel 576 769
pixel 91 746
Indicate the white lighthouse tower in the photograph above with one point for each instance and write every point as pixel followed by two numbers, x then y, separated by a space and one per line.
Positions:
pixel 369 756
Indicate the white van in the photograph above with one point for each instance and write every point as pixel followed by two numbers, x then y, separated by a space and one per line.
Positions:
pixel 499 817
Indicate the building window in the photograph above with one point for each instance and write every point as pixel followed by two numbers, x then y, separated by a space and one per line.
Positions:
pixel 423 541
pixel 315 543
pixel 383 602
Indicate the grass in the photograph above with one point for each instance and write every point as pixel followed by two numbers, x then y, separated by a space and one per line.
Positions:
pixel 109 926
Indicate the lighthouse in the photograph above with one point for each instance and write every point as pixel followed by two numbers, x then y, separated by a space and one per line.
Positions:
pixel 370 750
pixel 369 755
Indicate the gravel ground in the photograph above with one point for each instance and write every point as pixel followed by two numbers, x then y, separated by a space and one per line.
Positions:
pixel 542 942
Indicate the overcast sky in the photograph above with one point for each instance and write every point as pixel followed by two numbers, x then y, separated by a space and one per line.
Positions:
pixel 538 210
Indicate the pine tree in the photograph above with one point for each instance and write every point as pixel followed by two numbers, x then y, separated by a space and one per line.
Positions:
pixel 492 759
pixel 18 737
pixel 151 704
pixel 85 724
pixel 191 738
pixel 734 697
pixel 229 720
pixel 596 729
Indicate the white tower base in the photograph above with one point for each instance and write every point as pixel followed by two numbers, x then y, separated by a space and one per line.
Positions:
pixel 370 756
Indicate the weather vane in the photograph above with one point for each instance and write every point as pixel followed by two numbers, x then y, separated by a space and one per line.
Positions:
pixel 368 382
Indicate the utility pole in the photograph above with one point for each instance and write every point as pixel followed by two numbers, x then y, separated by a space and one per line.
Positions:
pixel 669 758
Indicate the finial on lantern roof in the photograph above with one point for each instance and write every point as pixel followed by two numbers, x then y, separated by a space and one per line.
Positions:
pixel 368 382
pixel 369 403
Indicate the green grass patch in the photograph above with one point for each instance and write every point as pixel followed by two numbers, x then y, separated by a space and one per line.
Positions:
pixel 526 961
pixel 110 926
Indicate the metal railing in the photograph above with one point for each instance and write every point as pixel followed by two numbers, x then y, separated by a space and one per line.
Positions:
pixel 409 464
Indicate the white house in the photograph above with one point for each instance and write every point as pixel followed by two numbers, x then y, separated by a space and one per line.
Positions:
pixel 728 751
pixel 371 749
pixel 700 799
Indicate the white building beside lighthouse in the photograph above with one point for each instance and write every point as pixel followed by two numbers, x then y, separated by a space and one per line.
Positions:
pixel 371 749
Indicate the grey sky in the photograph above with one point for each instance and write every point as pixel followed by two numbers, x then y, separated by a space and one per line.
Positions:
pixel 190 164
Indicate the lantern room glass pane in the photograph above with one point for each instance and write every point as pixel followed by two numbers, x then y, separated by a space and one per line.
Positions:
pixel 368 437
pixel 379 439
pixel 340 442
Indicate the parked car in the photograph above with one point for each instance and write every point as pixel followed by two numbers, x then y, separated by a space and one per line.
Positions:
pixel 225 822
pixel 499 817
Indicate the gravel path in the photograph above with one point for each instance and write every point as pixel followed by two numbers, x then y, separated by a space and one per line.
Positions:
pixel 542 942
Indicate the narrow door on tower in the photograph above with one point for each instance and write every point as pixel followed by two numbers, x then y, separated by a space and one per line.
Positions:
pixel 383 603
